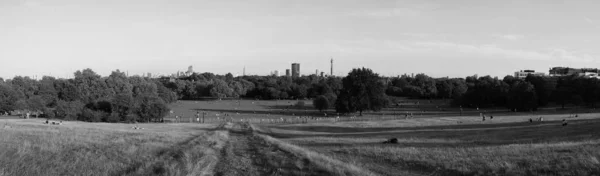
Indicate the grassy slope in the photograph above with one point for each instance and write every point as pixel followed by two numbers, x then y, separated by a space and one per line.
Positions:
pixel 29 147
pixel 329 164
pixel 517 148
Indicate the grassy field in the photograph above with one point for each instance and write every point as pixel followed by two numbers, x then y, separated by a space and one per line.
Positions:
pixel 277 111
pixel 432 146
pixel 277 141
pixel 28 147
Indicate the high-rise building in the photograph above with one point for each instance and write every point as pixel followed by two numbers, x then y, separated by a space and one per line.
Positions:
pixel 295 70
pixel 287 72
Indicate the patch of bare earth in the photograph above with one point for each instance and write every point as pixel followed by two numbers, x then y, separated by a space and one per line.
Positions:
pixel 247 154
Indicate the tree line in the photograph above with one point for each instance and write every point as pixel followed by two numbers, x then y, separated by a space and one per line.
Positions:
pixel 513 93
pixel 121 98
pixel 88 97
pixel 201 85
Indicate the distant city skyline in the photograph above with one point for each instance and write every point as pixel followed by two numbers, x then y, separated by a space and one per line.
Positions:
pixel 438 38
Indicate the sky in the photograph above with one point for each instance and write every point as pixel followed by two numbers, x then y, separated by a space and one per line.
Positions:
pixel 439 38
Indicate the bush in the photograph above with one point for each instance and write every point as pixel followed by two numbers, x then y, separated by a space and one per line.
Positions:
pixel 113 117
pixel 48 113
pixel 321 103
pixel 129 118
pixel 92 116
pixel 151 109
pixel 69 110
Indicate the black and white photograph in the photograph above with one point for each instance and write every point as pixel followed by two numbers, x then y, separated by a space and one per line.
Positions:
pixel 299 88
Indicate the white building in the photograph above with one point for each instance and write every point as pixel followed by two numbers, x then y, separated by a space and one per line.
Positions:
pixel 523 73
pixel 589 74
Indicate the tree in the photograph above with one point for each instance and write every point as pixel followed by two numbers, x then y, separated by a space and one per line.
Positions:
pixel 165 94
pixel 321 103
pixel 151 109
pixel 69 110
pixel 426 84
pixel 577 100
pixel 8 98
pixel 362 90
pixel 444 88
pixel 220 89
pixel 459 88
pixel 36 103
pixel 543 88
pixel 522 96
pixel 47 91
pixel 90 85
pixel 67 91
pixel 122 105
pixel 228 77
pixel 299 91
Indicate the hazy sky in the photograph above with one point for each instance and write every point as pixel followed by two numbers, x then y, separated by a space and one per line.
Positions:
pixel 440 38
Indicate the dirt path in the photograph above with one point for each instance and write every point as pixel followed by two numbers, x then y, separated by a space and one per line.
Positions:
pixel 246 154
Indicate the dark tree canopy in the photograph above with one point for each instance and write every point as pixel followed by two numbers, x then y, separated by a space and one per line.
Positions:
pixel 362 90
pixel 122 98
pixel 321 103
pixel 522 97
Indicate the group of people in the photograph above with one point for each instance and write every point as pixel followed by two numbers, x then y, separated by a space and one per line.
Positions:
pixel 53 123
pixel 541 119
pixel 483 117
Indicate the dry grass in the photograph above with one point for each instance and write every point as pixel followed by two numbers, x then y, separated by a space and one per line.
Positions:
pixel 497 148
pixel 578 158
pixel 450 120
pixel 329 164
pixel 29 147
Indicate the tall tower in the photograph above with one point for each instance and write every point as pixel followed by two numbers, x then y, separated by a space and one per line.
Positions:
pixel 331 67
pixel 295 70
pixel 244 73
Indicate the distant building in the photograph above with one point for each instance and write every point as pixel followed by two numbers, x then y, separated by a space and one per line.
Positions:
pixel 295 70
pixel 566 71
pixel 322 74
pixel 589 74
pixel 189 71
pixel 523 73
pixel 287 72
pixel 275 73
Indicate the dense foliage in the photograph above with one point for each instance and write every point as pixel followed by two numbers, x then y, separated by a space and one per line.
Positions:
pixel 121 98
pixel 362 90
pixel 515 94
pixel 88 97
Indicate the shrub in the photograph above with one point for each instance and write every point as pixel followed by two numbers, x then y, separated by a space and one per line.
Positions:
pixel 48 113
pixel 69 110
pixel 321 103
pixel 92 116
